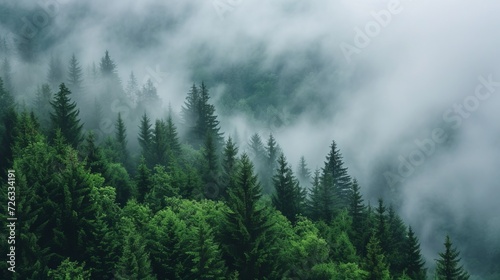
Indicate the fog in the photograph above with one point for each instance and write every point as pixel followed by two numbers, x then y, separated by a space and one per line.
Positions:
pixel 374 94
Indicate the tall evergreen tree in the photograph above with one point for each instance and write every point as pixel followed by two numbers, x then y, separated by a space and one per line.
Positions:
pixel 414 263
pixel 357 213
pixel 121 141
pixel 211 167
pixel 143 180
pixel 448 265
pixel 107 66
pixel 287 197
pixel 92 153
pixel 207 120
pixel 75 74
pixel 382 229
pixel 341 181
pixel 229 167
pixel 272 153
pixel 65 117
pixel 146 139
pixel 246 225
pixel 375 262
pixel 190 113
pixel 323 202
pixel 159 146
pixel 173 143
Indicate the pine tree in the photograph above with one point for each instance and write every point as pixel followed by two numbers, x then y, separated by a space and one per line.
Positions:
pixel 173 143
pixel 382 229
pixel 55 75
pixel 121 140
pixel 205 254
pixel 94 158
pixel 190 113
pixel 414 263
pixel 229 162
pixel 272 153
pixel 357 212
pixel 396 242
pixel 375 261
pixel 146 139
pixel 304 173
pixel 448 265
pixel 159 146
pixel 65 117
pixel 207 121
pixel 134 263
pixel 75 74
pixel 341 181
pixel 107 66
pixel 323 203
pixel 132 90
pixel 69 270
pixel 257 150
pixel 143 180
pixel 246 225
pixel 287 197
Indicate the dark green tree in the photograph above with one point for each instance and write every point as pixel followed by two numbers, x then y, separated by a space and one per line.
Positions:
pixel 143 180
pixel 190 113
pixel 207 121
pixel 272 153
pixel 159 145
pixel 146 140
pixel 357 212
pixel 69 270
pixel 323 202
pixel 413 261
pixel 246 225
pixel 382 228
pixel 121 141
pixel 173 143
pixel 64 117
pixel 211 168
pixel 287 198
pixel 92 153
pixel 340 180
pixel 229 168
pixel 448 265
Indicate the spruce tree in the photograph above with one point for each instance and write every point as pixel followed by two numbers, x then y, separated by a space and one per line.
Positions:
pixel 229 162
pixel 375 262
pixel 121 141
pixel 245 225
pixel 75 74
pixel 341 181
pixel 207 120
pixel 159 144
pixel 190 113
pixel 64 117
pixel 414 263
pixel 357 213
pixel 448 265
pixel 143 180
pixel 287 196
pixel 272 153
pixel 107 66
pixel 173 143
pixel 382 229
pixel 210 167
pixel 92 153
pixel 146 139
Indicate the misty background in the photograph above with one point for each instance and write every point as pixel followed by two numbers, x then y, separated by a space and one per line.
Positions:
pixel 281 70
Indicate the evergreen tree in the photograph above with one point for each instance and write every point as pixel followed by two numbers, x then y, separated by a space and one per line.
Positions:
pixel 134 262
pixel 146 140
pixel 107 66
pixel 396 243
pixel 65 117
pixel 448 265
pixel 375 261
pixel 159 146
pixel 207 120
pixel 382 230
pixel 56 74
pixel 205 254
pixel 173 144
pixel 190 113
pixel 210 166
pixel 357 213
pixel 246 225
pixel 148 95
pixel 340 180
pixel 272 153
pixel 143 180
pixel 6 98
pixel 414 263
pixel 323 202
pixel 8 121
pixel 75 74
pixel 229 167
pixel 69 270
pixel 121 141
pixel 257 150
pixel 303 173
pixel 287 197
pixel 94 158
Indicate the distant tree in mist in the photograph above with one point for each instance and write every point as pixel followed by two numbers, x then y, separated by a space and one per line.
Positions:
pixel 56 74
pixel 107 66
pixel 75 74
pixel 6 75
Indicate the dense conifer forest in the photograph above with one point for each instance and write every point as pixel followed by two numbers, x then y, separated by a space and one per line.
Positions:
pixel 229 139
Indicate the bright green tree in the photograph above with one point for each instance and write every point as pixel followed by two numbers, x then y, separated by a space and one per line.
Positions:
pixel 375 263
pixel 69 270
pixel 288 197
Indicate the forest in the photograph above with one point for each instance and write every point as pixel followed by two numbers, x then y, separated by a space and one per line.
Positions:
pixel 186 202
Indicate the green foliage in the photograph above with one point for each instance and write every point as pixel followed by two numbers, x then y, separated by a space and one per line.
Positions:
pixel 413 262
pixel 229 168
pixel 448 265
pixel 64 117
pixel 339 180
pixel 375 263
pixel 69 270
pixel 116 175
